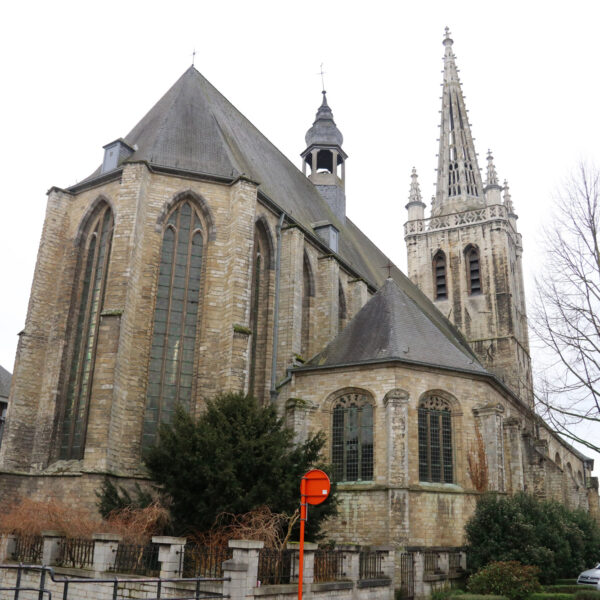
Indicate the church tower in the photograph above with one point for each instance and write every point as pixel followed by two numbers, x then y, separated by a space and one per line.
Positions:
pixel 467 256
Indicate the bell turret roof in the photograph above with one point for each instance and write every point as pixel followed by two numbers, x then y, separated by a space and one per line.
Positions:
pixel 324 131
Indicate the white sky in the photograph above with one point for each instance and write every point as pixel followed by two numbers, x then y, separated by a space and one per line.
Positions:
pixel 77 75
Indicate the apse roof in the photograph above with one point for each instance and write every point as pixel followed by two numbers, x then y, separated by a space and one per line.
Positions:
pixel 5 378
pixel 391 326
pixel 195 129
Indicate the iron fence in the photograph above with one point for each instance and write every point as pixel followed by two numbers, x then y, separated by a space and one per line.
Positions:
pixel 454 561
pixel 28 548
pixel 76 553
pixel 137 559
pixel 276 566
pixel 203 561
pixel 407 576
pixel 329 566
pixel 119 586
pixel 370 564
pixel 431 563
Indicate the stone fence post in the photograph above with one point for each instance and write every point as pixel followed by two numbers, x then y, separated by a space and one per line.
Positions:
pixel 388 560
pixel 170 554
pixel 419 571
pixel 309 562
pixel 51 550
pixel 242 569
pixel 105 550
pixel 7 546
pixel 351 561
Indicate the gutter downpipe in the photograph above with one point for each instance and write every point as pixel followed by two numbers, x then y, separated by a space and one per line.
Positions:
pixel 273 390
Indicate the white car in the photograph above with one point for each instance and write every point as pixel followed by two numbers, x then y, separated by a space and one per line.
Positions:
pixel 590 577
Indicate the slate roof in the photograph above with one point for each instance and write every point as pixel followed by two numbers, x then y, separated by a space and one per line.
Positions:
pixel 5 378
pixel 391 326
pixel 194 128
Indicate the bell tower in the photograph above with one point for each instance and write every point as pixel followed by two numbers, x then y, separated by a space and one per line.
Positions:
pixel 466 257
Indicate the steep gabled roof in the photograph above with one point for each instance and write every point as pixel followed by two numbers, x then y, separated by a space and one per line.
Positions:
pixel 5 378
pixel 391 326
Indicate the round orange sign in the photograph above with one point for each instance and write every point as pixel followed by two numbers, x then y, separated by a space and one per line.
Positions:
pixel 315 486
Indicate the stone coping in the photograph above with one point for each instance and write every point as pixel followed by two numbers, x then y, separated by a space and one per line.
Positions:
pixel 169 540
pixel 107 537
pixel 379 582
pixel 246 544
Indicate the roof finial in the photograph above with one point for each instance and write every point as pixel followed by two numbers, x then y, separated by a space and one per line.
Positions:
pixel 448 41
pixel 492 176
pixel 193 57
pixel 321 73
pixel 507 199
pixel 415 192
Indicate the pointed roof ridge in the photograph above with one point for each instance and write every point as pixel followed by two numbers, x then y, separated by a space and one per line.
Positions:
pixel 324 131
pixel 459 184
pixel 5 379
pixel 392 326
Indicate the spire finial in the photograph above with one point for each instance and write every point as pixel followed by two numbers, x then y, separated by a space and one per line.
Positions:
pixel 414 194
pixel 322 73
pixel 193 57
pixel 448 41
pixel 492 176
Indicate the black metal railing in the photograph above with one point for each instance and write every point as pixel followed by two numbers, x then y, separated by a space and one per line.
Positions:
pixel 454 561
pixel 370 565
pixel 407 576
pixel 76 553
pixel 329 566
pixel 276 566
pixel 203 561
pixel 137 559
pixel 431 563
pixel 28 548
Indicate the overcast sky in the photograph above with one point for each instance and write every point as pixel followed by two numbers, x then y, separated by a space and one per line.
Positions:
pixel 77 75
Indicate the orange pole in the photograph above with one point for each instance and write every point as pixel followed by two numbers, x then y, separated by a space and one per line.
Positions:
pixel 303 509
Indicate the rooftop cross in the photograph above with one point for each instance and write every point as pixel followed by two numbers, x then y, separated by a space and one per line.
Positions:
pixel 321 73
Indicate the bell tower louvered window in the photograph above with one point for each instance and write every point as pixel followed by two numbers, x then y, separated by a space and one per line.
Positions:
pixel 439 276
pixel 352 438
pixel 435 440
pixel 93 271
pixel 473 270
pixel 172 354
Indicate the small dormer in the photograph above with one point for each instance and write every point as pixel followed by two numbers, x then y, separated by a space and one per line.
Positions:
pixel 328 234
pixel 115 153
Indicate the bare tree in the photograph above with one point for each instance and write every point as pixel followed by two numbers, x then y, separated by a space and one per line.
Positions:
pixel 567 308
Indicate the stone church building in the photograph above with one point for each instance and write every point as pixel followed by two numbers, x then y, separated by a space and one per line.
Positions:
pixel 198 259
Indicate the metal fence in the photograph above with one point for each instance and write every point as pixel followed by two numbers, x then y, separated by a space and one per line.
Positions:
pixel 137 559
pixel 431 563
pixel 76 553
pixel 42 584
pixel 454 561
pixel 28 548
pixel 370 565
pixel 203 561
pixel 329 566
pixel 276 566
pixel 407 576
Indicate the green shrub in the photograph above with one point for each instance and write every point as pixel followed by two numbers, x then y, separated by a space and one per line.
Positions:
pixel 562 589
pixel 566 582
pixel 551 596
pixel 481 597
pixel 588 593
pixel 510 579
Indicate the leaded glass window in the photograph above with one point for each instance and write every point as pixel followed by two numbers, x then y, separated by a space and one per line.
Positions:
pixel 435 440
pixel 172 353
pixel 93 270
pixel 352 438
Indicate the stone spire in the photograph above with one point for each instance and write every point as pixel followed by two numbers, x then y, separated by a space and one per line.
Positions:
pixel 459 185
pixel 508 201
pixel 415 206
pixel 492 189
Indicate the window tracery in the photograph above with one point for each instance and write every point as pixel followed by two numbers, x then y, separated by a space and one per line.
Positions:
pixel 435 440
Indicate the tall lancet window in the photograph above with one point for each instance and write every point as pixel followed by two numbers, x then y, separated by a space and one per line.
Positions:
pixel 172 354
pixel 435 440
pixel 95 254
pixel 473 270
pixel 342 311
pixel 259 313
pixel 308 293
pixel 439 276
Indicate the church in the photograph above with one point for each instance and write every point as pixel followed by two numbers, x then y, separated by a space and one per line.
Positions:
pixel 197 259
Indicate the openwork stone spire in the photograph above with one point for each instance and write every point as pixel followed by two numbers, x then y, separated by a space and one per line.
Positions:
pixel 415 206
pixel 492 176
pixel 508 200
pixel 459 185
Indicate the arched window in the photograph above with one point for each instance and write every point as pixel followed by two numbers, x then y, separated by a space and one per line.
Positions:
pixel 435 440
pixel 473 270
pixel 342 312
pixel 259 312
pixel 352 438
pixel 172 354
pixel 439 276
pixel 557 459
pixel 308 293
pixel 93 267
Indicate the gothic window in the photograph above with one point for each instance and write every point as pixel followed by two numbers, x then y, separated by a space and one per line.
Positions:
pixel 308 293
pixel 342 312
pixel 435 440
pixel 259 311
pixel 172 354
pixel 91 281
pixel 439 276
pixel 473 270
pixel 557 459
pixel 352 438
